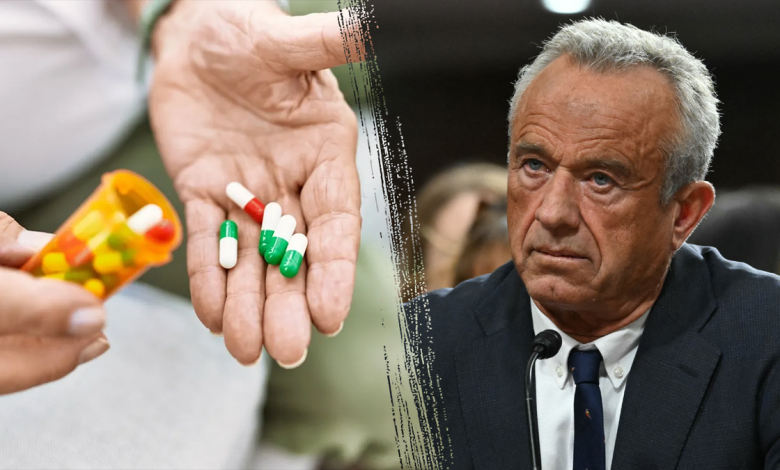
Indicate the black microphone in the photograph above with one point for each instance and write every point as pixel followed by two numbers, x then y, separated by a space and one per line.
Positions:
pixel 546 344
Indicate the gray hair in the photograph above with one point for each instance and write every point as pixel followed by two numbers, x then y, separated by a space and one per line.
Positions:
pixel 604 46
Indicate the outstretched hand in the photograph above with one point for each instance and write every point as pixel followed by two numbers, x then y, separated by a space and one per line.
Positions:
pixel 241 93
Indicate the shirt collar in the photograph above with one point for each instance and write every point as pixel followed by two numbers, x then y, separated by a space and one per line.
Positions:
pixel 617 348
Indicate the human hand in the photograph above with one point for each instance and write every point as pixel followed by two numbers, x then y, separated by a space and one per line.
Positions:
pixel 240 94
pixel 47 327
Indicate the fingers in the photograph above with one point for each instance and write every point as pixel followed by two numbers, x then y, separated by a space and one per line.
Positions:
pixel 14 254
pixel 207 278
pixel 34 240
pixel 313 42
pixel 331 205
pixel 242 317
pixel 35 306
pixel 9 228
pixel 28 361
pixel 17 245
pixel 286 320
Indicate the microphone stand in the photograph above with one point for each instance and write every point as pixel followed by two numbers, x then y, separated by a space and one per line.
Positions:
pixel 530 409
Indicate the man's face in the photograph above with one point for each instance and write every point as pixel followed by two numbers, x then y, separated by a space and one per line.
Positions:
pixel 585 176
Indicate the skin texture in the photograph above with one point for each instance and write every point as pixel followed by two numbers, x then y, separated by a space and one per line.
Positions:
pixel 37 343
pixel 589 237
pixel 240 93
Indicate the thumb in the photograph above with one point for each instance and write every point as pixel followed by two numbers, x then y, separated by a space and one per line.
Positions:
pixel 313 42
pixel 13 254
pixel 17 245
pixel 34 240
pixel 41 307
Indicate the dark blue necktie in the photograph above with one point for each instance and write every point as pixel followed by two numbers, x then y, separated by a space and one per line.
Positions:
pixel 589 453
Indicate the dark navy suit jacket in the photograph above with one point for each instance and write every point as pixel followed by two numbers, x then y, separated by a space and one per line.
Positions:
pixel 703 391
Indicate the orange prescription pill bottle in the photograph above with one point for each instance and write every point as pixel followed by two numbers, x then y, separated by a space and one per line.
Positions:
pixel 125 227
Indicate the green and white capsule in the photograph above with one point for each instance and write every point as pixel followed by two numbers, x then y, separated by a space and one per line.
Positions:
pixel 228 244
pixel 282 234
pixel 293 257
pixel 273 212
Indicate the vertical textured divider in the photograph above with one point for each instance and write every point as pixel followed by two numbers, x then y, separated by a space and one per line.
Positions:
pixel 420 439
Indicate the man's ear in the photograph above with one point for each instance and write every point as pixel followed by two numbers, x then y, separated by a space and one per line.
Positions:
pixel 693 201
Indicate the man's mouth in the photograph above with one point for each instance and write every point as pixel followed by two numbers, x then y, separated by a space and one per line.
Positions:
pixel 559 252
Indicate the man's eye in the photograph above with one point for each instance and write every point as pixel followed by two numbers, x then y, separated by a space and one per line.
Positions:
pixel 534 164
pixel 601 179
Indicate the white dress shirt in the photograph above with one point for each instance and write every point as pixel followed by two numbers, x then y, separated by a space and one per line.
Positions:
pixel 555 389
pixel 68 91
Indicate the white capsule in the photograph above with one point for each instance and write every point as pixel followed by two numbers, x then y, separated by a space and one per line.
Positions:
pixel 285 227
pixel 228 252
pixel 145 218
pixel 239 194
pixel 298 242
pixel 271 216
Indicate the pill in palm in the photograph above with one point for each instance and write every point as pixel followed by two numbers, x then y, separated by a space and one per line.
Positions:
pixel 273 212
pixel 246 201
pixel 282 234
pixel 228 244
pixel 293 257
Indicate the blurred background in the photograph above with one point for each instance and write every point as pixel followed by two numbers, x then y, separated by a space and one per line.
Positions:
pixel 448 68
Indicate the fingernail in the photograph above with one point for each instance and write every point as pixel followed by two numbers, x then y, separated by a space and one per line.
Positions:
pixel 341 327
pixel 86 321
pixel 252 364
pixel 34 240
pixel 93 350
pixel 297 363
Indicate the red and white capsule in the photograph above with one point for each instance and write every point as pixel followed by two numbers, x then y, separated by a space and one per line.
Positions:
pixel 246 201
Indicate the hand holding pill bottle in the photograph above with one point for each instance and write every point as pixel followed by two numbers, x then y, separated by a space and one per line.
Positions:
pixel 125 227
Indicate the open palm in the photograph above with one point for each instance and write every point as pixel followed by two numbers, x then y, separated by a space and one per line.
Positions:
pixel 240 93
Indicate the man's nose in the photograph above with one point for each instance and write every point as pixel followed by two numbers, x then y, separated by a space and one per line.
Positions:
pixel 560 207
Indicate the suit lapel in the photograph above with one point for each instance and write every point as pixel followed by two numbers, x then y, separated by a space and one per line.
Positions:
pixel 491 379
pixel 671 371
pixel 665 388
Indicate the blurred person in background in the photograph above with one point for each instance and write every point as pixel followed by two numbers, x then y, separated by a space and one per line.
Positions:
pixel 446 208
pixel 744 225
pixel 72 110
pixel 486 246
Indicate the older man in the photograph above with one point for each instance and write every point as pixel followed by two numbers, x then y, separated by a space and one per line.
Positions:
pixel 669 357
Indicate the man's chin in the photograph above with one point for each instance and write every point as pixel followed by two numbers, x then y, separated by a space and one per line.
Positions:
pixel 556 290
